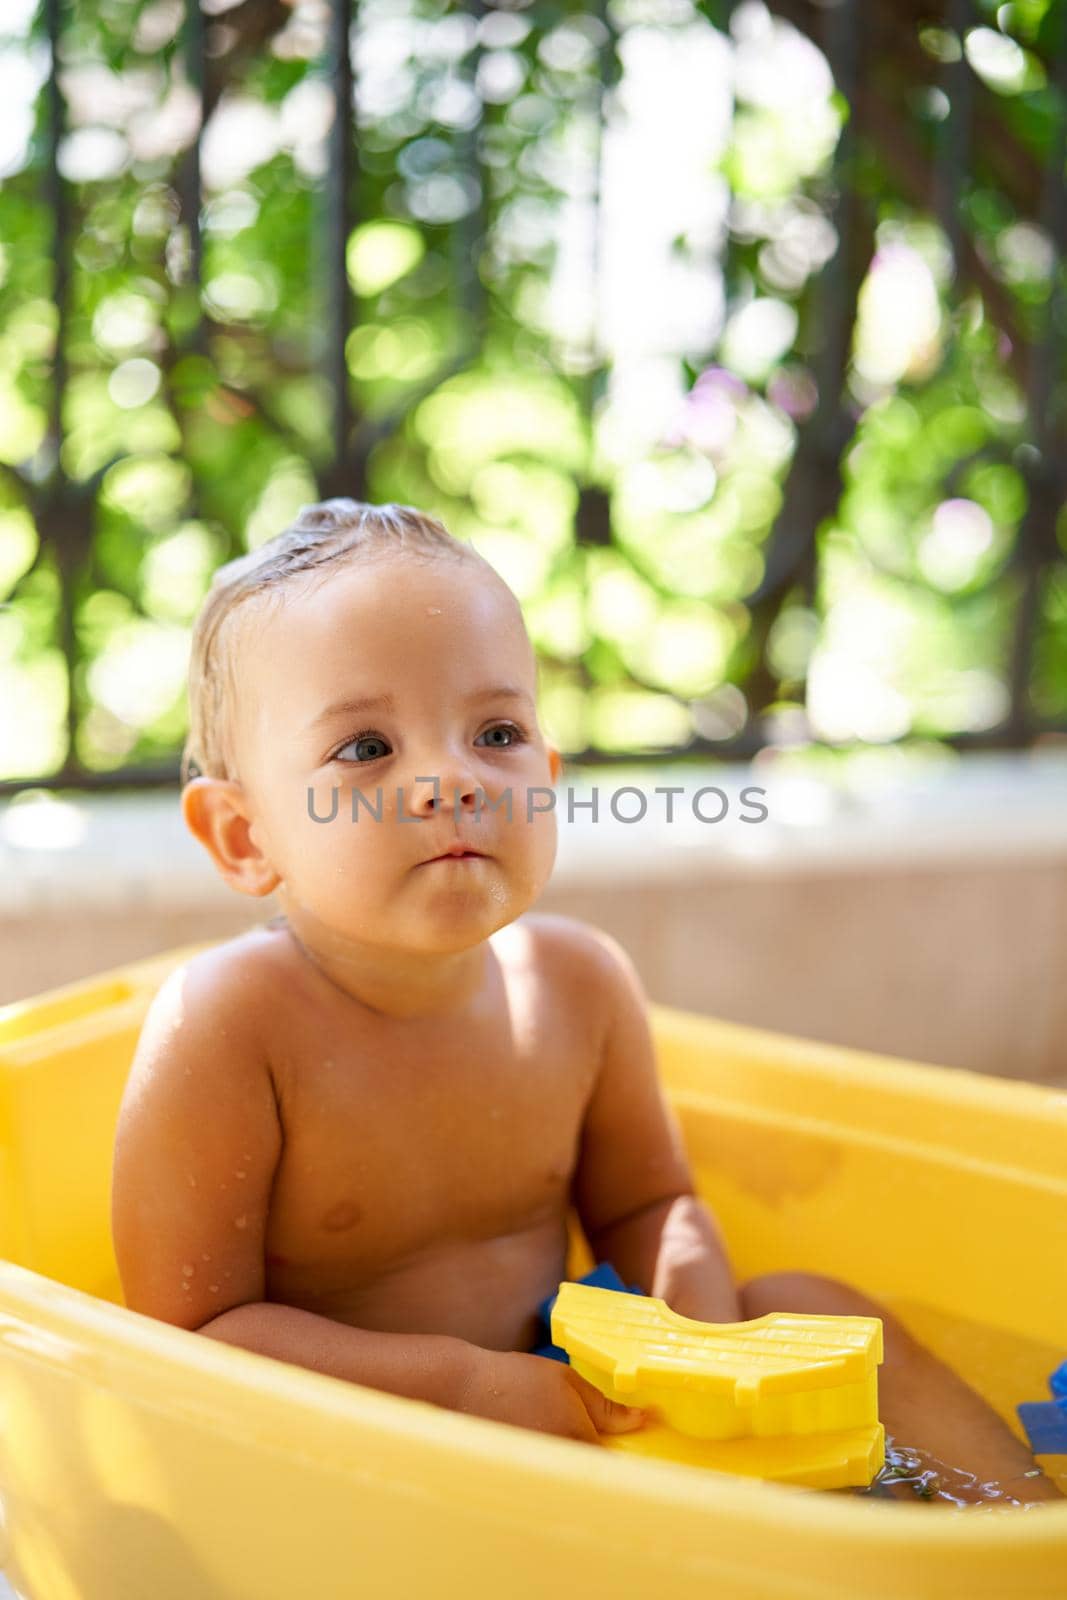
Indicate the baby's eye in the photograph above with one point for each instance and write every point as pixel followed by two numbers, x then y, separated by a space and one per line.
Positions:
pixel 511 735
pixel 378 747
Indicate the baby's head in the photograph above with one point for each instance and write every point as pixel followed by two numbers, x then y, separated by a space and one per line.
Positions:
pixel 336 672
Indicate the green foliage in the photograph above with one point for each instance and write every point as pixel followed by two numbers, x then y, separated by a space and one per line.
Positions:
pixel 196 408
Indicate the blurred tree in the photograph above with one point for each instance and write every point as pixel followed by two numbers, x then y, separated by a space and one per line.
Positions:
pixel 732 335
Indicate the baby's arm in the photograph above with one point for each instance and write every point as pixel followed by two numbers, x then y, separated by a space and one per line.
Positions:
pixel 199 1138
pixel 633 1190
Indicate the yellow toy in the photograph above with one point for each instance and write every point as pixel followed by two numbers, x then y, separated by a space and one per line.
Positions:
pixel 788 1397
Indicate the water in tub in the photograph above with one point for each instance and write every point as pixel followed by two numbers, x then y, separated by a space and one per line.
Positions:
pixel 1005 1369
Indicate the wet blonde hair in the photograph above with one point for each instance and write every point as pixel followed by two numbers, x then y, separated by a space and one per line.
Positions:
pixel 323 534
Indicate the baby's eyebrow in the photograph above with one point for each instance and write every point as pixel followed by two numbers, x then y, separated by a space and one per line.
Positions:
pixel 386 702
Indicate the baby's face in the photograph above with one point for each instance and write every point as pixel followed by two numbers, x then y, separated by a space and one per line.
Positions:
pixel 380 678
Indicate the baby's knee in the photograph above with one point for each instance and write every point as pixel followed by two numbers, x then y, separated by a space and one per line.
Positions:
pixel 804 1291
pixel 821 1296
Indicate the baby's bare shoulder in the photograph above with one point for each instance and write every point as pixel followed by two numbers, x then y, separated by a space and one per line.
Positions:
pixel 571 953
pixel 557 937
pixel 221 997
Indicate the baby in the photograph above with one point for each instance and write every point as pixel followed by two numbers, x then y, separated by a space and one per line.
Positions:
pixel 350 1138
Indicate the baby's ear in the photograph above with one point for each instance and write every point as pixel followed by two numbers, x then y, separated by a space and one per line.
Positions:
pixel 216 812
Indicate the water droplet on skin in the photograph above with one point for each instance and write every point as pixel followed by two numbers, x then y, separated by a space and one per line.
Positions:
pixel 186 1287
pixel 227 1274
pixel 187 1270
pixel 433 611
pixel 239 1174
pixel 192 1180
pixel 214 1288
pixel 205 1258
pixel 240 1222
pixel 328 1062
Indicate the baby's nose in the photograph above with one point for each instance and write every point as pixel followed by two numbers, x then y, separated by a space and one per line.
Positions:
pixel 443 791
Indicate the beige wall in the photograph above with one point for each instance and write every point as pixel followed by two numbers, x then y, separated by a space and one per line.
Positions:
pixel 959 963
pixel 955 961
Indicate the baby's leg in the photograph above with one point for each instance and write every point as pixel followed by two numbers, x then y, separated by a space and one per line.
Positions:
pixel 923 1404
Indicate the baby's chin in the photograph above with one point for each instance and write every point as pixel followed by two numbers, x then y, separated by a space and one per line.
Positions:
pixel 444 912
pixel 443 925
pixel 450 929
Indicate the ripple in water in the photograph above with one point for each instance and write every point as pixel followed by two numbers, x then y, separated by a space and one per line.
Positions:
pixel 910 1473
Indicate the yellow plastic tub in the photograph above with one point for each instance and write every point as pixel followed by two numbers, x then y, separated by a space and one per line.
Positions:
pixel 142 1462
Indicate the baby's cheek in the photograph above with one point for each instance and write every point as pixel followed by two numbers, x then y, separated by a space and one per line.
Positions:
pixel 542 838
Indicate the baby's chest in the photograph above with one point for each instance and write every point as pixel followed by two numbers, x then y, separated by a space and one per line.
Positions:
pixel 389 1154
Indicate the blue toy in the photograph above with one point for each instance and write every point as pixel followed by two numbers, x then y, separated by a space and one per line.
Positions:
pixel 1058 1384
pixel 1045 1421
pixel 602 1276
pixel 1046 1427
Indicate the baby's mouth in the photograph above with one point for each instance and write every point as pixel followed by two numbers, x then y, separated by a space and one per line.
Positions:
pixel 456 853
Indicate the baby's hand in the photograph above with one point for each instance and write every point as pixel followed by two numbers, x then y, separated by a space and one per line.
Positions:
pixel 545 1395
